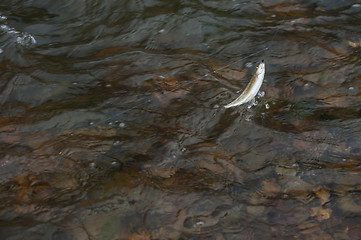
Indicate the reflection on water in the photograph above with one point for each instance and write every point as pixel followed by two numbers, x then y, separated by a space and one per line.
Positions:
pixel 112 123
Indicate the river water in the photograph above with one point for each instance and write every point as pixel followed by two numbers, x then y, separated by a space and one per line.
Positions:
pixel 112 123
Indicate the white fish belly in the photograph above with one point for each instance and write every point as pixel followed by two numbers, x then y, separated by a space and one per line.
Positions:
pixel 246 97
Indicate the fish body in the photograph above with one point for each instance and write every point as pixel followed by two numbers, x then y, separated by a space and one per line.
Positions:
pixel 252 88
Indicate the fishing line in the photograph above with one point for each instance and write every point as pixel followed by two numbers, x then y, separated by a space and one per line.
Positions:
pixel 255 53
pixel 214 71
pixel 253 87
pixel 230 64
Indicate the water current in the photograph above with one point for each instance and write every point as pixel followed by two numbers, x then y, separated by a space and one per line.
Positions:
pixel 112 123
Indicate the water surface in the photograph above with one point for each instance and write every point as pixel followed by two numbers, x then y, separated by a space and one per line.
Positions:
pixel 112 123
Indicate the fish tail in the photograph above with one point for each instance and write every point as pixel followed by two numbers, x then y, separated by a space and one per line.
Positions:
pixel 231 105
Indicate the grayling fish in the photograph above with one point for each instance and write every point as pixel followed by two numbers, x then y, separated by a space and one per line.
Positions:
pixel 252 88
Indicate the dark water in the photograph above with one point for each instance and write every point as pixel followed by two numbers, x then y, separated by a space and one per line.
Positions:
pixel 112 125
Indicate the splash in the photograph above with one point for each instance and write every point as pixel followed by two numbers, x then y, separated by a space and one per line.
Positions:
pixel 22 38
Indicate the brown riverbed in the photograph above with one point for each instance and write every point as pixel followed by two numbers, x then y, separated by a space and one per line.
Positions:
pixel 112 123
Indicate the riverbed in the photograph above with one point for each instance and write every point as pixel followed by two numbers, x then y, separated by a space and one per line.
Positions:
pixel 112 123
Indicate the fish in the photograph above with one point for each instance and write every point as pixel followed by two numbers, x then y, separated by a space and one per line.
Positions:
pixel 252 88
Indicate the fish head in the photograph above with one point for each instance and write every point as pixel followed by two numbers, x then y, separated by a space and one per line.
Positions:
pixel 261 69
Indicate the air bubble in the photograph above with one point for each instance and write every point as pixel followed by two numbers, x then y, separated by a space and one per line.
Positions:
pixel 5 27
pixel 249 64
pixel 121 125
pixel 26 40
pixel 267 106
pixel 22 38
pixel 351 88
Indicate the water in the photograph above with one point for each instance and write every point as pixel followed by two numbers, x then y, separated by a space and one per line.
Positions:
pixel 112 123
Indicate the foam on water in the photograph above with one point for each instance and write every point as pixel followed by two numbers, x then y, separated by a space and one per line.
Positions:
pixel 261 94
pixel 25 39
pixel 22 38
